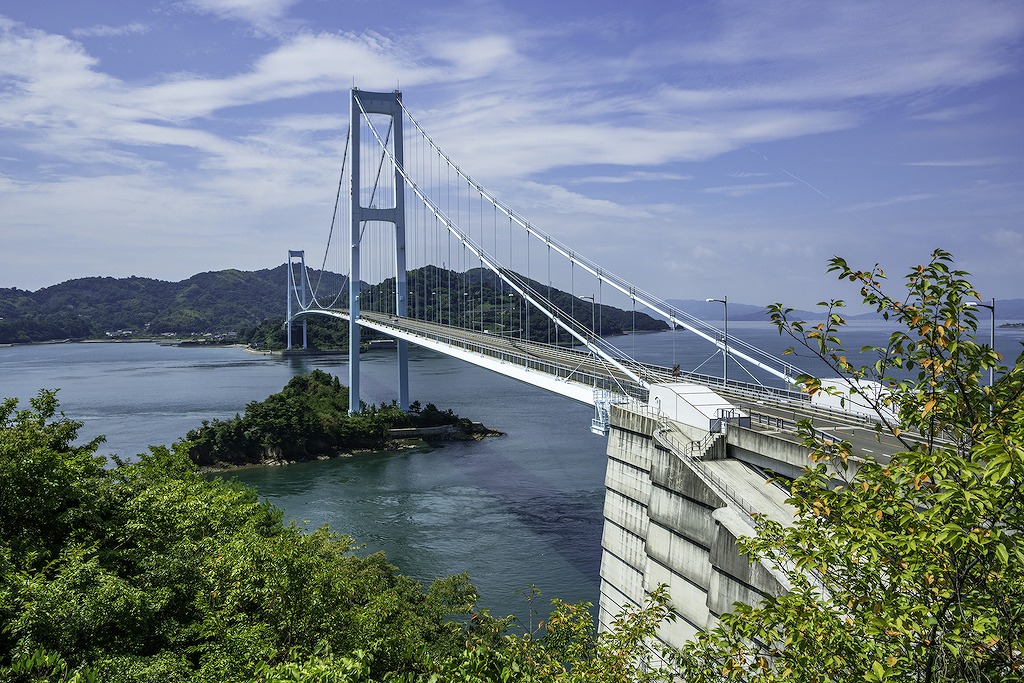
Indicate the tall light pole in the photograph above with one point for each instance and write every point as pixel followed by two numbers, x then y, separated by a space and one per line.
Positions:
pixel 511 307
pixel 593 319
pixel 725 339
pixel 991 331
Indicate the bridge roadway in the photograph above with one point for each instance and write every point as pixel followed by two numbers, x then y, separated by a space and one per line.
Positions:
pixel 772 410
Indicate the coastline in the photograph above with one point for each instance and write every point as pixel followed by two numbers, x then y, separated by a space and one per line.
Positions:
pixel 403 439
pixel 183 344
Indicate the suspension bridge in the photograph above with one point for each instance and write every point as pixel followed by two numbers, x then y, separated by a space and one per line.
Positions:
pixel 421 252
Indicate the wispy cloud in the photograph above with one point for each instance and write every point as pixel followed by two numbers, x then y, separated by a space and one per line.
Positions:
pixel 963 163
pixel 633 177
pixel 558 200
pixel 744 190
pixel 801 57
pixel 257 12
pixel 891 201
pixel 104 31
pixel 955 113
pixel 305 64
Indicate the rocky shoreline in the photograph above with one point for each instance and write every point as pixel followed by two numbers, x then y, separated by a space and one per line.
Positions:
pixel 402 439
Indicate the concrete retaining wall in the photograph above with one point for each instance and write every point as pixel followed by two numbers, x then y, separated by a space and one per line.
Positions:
pixel 668 519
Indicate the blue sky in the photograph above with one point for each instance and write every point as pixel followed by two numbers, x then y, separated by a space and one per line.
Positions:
pixel 695 148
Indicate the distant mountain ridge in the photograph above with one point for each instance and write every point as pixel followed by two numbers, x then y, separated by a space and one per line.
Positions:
pixel 215 302
pixel 712 310
pixel 1006 310
pixel 232 301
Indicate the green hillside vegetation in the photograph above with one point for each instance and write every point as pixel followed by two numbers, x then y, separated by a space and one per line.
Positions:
pixel 306 420
pixel 250 307
pixel 148 571
pixel 215 302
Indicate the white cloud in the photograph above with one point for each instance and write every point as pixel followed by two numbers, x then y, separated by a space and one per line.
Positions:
pixel 892 201
pixel 963 163
pixel 558 200
pixel 104 31
pixel 257 12
pixel 810 51
pixel 305 64
pixel 475 57
pixel 633 177
pixel 953 113
pixel 744 190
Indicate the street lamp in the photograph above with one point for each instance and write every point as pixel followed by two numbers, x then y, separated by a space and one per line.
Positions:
pixel 593 318
pixel 992 331
pixel 511 307
pixel 725 339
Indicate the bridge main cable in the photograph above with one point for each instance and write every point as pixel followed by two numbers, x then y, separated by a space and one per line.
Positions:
pixel 525 292
pixel 675 316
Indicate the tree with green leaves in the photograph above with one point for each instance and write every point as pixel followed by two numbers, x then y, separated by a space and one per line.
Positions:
pixel 148 571
pixel 909 568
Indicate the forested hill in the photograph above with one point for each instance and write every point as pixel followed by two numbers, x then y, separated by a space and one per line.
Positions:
pixel 215 302
pixel 227 302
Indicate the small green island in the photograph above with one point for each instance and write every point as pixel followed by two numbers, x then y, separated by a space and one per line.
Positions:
pixel 309 420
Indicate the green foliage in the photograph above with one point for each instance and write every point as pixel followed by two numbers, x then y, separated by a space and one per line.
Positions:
pixel 565 649
pixel 147 571
pixel 307 419
pixel 906 569
pixel 46 495
pixel 30 328
pixel 323 334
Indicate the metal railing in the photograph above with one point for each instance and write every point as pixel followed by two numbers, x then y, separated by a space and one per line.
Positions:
pixel 692 452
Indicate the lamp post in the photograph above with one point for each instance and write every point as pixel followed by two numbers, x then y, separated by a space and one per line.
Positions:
pixel 991 331
pixel 511 307
pixel 593 319
pixel 725 339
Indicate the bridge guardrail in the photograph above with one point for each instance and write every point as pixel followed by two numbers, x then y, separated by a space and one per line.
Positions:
pixel 789 426
pixel 566 364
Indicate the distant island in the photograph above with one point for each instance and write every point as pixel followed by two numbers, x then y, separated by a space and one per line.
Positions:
pixel 232 306
pixel 309 420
